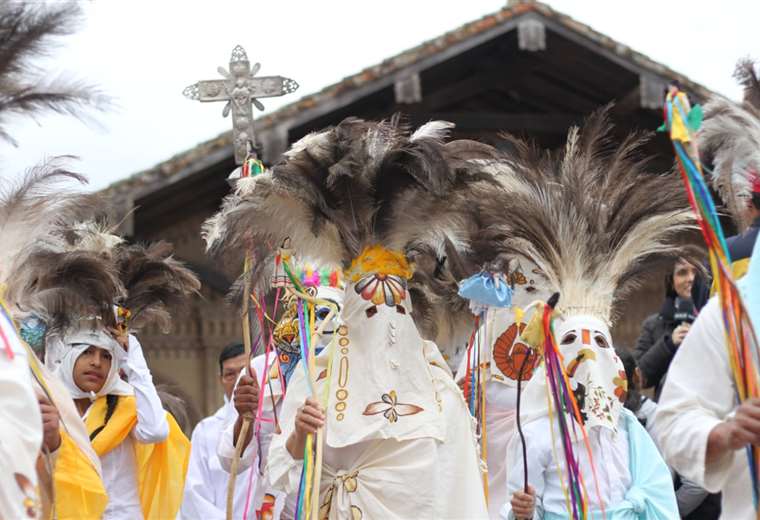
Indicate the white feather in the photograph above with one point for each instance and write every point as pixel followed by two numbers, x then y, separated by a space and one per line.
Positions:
pixel 436 130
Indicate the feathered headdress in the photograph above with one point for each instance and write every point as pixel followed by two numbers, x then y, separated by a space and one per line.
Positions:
pixel 356 185
pixel 153 280
pixel 590 217
pixel 38 273
pixel 731 135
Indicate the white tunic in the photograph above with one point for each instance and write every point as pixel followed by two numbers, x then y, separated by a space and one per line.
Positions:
pixel 697 396
pixel 614 476
pixel 119 465
pixel 252 476
pixel 420 478
pixel 206 481
pixel 21 431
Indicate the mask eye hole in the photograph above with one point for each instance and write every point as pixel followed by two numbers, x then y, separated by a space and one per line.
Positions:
pixel 569 338
pixel 601 341
pixel 530 289
pixel 322 313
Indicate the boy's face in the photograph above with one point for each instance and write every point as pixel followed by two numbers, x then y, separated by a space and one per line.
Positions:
pixel 91 369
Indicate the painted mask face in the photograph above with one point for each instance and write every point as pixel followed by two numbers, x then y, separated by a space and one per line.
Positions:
pixel 287 335
pixel 596 374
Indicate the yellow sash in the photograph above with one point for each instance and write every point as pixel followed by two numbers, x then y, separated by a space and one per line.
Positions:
pixel 161 467
pixel 79 492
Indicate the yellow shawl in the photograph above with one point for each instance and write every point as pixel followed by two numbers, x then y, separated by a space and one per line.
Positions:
pixel 79 492
pixel 161 467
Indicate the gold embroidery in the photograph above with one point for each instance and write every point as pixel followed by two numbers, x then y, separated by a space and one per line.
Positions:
pixel 341 394
pixel 341 406
pixel 324 509
pixel 340 417
pixel 391 408
pixel 349 481
pixel 343 373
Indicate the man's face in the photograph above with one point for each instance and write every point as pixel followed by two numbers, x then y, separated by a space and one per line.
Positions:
pixel 230 370
pixel 91 369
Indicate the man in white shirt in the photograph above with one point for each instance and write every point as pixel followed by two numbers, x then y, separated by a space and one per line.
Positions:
pixel 206 484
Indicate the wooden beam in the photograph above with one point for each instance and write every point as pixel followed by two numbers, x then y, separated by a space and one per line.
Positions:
pixel 343 100
pixel 531 35
pixel 468 87
pixel 408 89
pixel 527 122
pixel 652 91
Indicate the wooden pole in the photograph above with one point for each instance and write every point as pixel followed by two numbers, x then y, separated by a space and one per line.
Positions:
pixel 247 418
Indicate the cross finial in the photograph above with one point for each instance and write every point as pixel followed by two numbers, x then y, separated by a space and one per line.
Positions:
pixel 240 89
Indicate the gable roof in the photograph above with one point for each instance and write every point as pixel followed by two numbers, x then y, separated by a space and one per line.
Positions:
pixel 379 76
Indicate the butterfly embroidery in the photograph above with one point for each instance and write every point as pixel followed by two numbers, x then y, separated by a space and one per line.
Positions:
pixel 382 288
pixel 516 278
pixel 391 408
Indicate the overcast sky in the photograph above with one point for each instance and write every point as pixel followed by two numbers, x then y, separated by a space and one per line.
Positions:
pixel 144 52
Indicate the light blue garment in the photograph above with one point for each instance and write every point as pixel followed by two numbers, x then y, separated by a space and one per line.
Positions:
pixel 651 495
pixel 752 280
pixel 486 289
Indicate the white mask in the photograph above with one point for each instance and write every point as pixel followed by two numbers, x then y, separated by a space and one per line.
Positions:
pixel 596 374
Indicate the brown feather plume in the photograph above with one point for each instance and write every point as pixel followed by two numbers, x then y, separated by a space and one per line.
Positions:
pixel 154 283
pixel 33 260
pixel 591 216
pixel 359 184
pixel 64 287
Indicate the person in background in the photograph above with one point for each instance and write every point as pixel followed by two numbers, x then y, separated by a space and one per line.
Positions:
pixel 206 484
pixel 694 503
pixel 663 332
pixel 642 406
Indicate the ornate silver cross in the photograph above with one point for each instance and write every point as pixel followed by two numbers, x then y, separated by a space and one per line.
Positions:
pixel 240 89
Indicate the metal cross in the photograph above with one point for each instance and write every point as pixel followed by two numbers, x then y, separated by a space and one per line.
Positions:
pixel 240 89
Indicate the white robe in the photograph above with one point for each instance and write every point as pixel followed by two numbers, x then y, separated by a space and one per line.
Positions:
pixel 697 396
pixel 501 403
pixel 119 464
pixel 250 470
pixel 206 481
pixel 21 431
pixel 543 468
pixel 420 478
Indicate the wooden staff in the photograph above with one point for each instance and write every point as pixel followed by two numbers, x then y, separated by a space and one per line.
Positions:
pixel 247 417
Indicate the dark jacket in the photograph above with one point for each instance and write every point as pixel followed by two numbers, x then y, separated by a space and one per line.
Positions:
pixel 655 349
pixel 740 246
